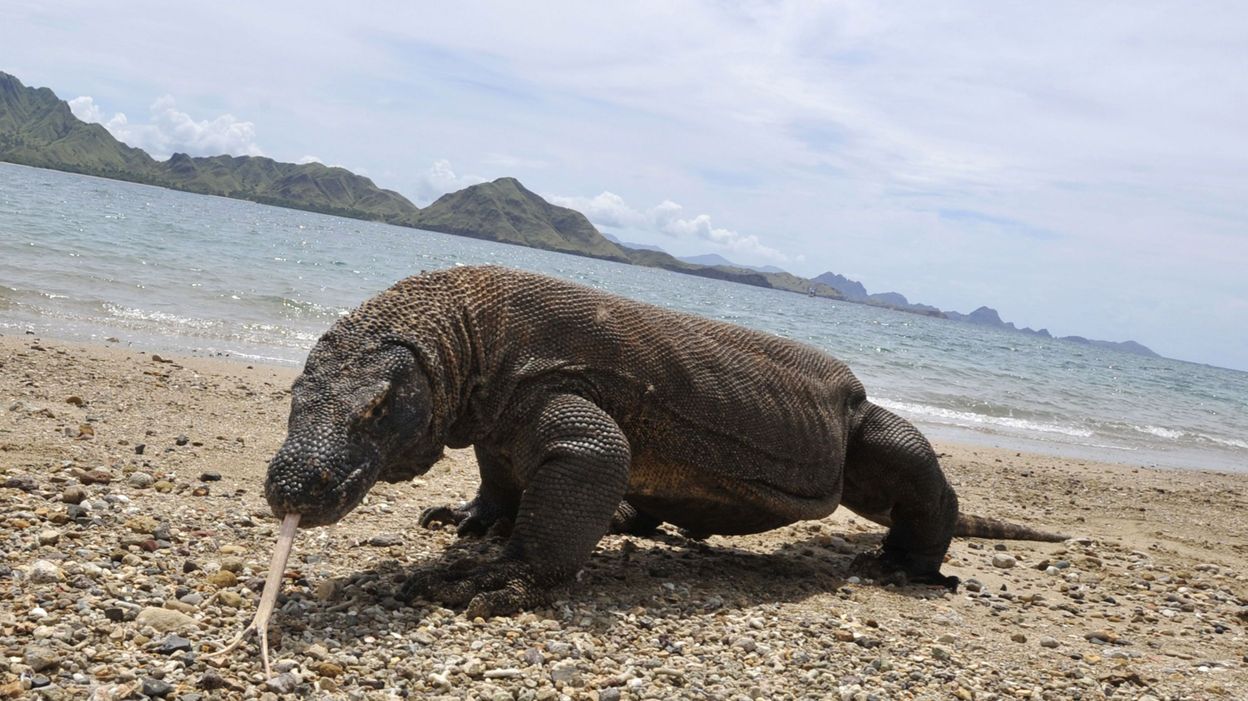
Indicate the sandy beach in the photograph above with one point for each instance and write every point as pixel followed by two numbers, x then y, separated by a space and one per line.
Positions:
pixel 136 539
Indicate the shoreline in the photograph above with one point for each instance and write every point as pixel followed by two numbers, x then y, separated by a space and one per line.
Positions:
pixel 1150 597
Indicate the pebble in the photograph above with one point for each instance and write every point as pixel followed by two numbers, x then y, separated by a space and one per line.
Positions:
pixel 233 564
pixel 172 644
pixel 165 620
pixel 283 683
pixel 210 681
pixel 223 578
pixel 45 572
pixel 563 672
pixel 230 599
pixel 156 688
pixel 140 480
pixel 40 658
pixel 325 668
pixel 24 483
pixel 142 524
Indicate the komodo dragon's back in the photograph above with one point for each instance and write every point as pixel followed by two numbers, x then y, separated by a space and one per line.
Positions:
pixel 577 402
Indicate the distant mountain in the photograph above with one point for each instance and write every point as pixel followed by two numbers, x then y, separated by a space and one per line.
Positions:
pixel 716 259
pixel 506 211
pixel 852 289
pixel 38 129
pixel 1124 346
pixel 630 244
pixel 855 292
pixel 987 316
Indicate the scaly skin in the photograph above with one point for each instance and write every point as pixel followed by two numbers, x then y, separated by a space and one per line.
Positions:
pixel 590 412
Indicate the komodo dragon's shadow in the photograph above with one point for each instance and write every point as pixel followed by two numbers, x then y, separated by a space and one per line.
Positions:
pixel 663 574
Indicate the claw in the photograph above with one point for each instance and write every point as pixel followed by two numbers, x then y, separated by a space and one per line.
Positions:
pixel 493 589
pixel 885 569
pixel 441 515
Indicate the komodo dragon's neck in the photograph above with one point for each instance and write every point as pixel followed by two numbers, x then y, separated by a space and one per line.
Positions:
pixel 432 315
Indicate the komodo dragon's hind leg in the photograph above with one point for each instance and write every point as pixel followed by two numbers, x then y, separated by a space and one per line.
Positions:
pixel 574 461
pixel 891 469
pixel 628 520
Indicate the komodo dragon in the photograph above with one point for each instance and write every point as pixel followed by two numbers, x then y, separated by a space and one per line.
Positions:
pixel 583 407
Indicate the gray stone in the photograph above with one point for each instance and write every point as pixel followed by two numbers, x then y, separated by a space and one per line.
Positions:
pixel 140 480
pixel 172 644
pixel 283 683
pixel 156 688
pixel 40 658
pixel 45 572
pixel 564 672
pixel 165 620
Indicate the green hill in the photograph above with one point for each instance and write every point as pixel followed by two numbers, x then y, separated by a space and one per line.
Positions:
pixel 508 212
pixel 38 129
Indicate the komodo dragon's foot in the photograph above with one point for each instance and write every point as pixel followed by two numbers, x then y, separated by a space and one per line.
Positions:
pixel 470 518
pixel 889 569
pixel 498 588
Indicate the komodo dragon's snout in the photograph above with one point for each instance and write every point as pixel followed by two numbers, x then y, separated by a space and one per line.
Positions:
pixel 358 414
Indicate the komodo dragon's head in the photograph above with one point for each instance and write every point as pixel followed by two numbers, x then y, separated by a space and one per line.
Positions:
pixel 359 412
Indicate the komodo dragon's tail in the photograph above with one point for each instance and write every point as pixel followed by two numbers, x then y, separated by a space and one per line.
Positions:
pixel 969 526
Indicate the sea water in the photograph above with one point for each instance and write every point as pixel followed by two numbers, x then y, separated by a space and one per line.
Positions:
pixel 85 258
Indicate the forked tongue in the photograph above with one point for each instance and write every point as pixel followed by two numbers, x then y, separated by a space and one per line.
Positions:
pixel 268 599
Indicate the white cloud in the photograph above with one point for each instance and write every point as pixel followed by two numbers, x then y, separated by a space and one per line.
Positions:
pixel 84 108
pixel 607 209
pixel 667 219
pixel 170 130
pixel 439 180
pixel 610 210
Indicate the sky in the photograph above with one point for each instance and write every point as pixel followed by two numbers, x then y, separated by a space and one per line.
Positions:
pixel 1081 167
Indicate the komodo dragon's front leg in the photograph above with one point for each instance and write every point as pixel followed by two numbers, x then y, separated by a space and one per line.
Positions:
pixel 572 459
pixel 496 502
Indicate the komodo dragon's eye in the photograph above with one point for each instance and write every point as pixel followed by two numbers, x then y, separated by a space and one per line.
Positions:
pixel 376 409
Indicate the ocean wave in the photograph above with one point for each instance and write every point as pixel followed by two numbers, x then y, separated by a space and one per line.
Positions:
pixel 1227 442
pixel 286 307
pixel 1160 431
pixel 967 419
pixel 132 314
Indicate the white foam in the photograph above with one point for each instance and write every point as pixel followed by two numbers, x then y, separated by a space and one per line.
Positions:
pixel 161 317
pixel 1160 432
pixel 1228 442
pixel 968 419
